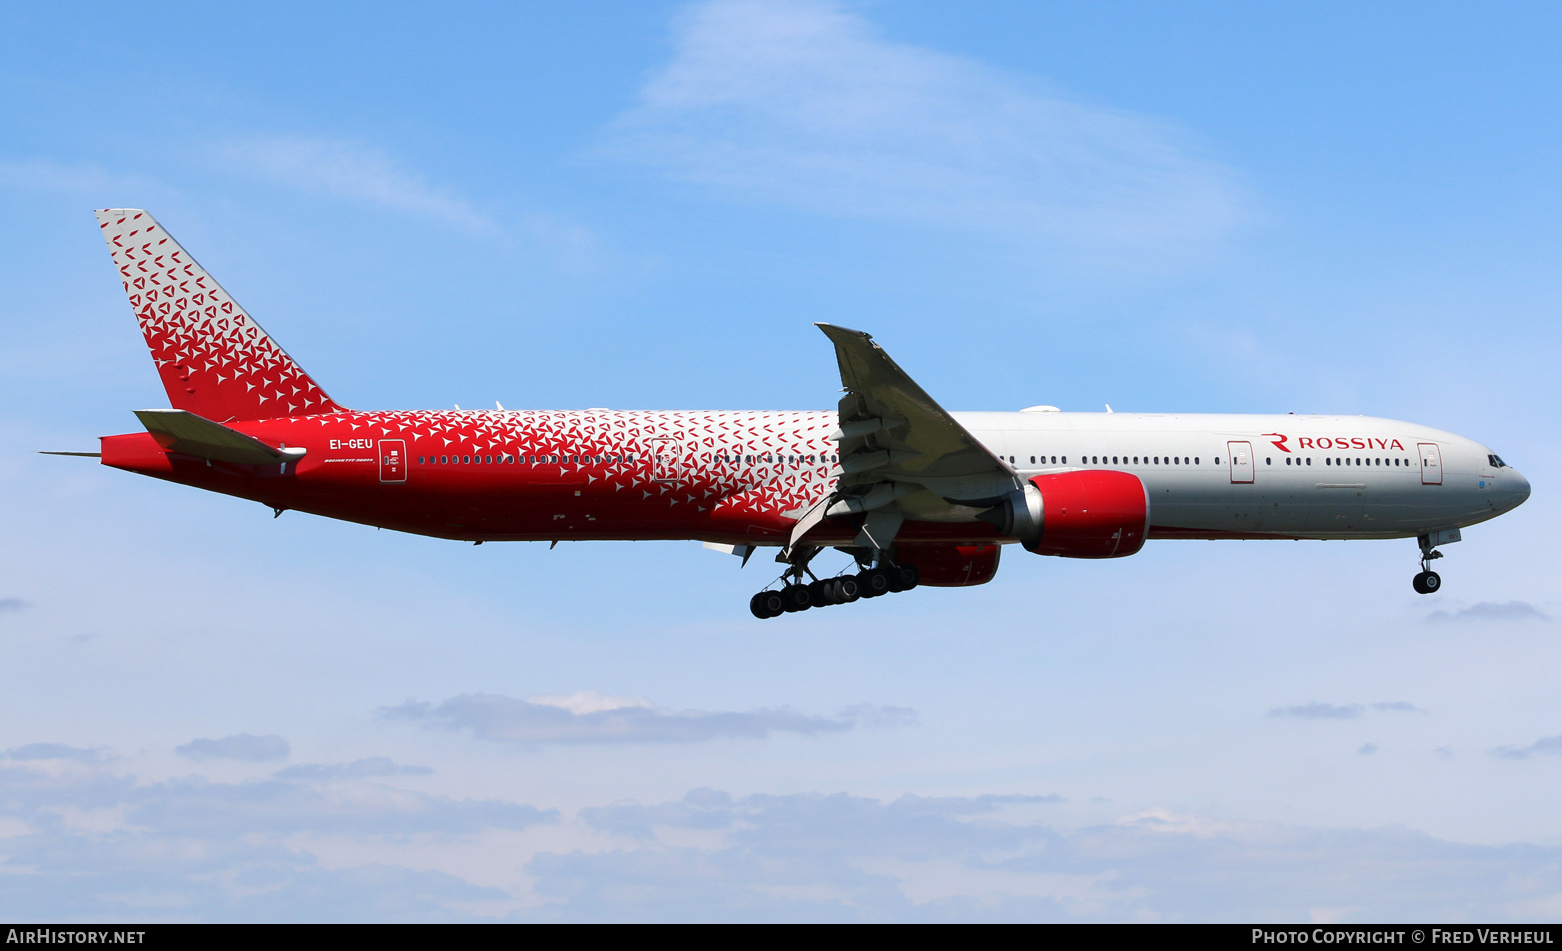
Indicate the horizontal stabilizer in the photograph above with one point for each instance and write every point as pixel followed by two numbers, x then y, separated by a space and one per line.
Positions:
pixel 52 452
pixel 178 430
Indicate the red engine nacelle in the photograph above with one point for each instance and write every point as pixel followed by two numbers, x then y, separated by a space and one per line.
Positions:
pixel 951 566
pixel 1091 513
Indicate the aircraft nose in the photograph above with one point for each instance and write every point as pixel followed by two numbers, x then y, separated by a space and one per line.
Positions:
pixel 1515 489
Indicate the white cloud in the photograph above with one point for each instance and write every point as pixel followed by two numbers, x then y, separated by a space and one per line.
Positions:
pixel 239 746
pixel 1319 711
pixel 53 751
pixel 1493 611
pixel 109 188
pixel 1545 746
pixel 367 768
pixel 1349 711
pixel 803 104
pixel 590 718
pixel 589 701
pixel 352 171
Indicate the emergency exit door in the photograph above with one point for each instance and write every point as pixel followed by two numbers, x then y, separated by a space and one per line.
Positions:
pixel 1241 454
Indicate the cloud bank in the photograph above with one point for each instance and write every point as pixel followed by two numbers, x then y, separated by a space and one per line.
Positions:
pixel 848 858
pixel 87 842
pixel 803 104
pixel 590 718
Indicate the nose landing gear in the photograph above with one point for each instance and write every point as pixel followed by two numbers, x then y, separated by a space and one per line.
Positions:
pixel 1426 580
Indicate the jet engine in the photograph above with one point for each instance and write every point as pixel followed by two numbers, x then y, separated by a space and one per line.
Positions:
pixel 1091 513
pixel 950 566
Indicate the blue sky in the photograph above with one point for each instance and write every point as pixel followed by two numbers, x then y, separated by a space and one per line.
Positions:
pixel 208 714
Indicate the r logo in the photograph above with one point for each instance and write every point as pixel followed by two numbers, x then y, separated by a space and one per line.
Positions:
pixel 1279 441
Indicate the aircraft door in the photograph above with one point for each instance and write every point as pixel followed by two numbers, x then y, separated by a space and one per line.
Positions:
pixel 1431 464
pixel 393 460
pixel 665 459
pixel 1241 454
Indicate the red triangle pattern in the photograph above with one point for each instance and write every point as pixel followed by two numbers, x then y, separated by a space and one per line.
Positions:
pixel 213 358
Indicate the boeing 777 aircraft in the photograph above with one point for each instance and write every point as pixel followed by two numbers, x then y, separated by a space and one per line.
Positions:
pixel 914 493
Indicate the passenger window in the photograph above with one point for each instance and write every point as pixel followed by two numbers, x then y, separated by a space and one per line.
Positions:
pixel 1195 460
pixel 444 460
pixel 1268 461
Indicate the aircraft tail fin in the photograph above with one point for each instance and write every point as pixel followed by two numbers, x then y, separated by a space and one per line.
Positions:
pixel 214 360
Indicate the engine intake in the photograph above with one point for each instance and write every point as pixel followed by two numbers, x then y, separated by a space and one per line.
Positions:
pixel 1091 513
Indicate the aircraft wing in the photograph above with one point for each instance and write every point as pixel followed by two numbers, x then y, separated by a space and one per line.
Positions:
pixel 178 430
pixel 895 439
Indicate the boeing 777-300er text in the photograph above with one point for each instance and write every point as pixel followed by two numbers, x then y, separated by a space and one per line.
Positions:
pixel 914 493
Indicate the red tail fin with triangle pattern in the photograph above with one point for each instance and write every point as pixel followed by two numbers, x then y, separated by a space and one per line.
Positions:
pixel 215 361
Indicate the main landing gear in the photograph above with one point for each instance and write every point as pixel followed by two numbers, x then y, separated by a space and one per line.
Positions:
pixel 884 578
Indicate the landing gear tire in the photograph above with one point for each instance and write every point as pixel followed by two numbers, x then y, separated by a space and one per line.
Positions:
pixel 797 597
pixel 820 594
pixel 1426 582
pixel 845 589
pixel 909 577
pixel 874 582
pixel 766 604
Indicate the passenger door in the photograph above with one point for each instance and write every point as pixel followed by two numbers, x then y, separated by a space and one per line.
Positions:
pixel 1431 464
pixel 665 453
pixel 393 460
pixel 1241 458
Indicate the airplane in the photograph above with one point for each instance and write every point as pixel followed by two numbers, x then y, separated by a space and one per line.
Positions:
pixel 913 493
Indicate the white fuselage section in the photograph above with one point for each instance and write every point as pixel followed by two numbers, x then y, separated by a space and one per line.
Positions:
pixel 1214 476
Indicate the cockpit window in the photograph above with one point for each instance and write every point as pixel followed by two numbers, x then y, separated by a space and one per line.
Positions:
pixel 1496 461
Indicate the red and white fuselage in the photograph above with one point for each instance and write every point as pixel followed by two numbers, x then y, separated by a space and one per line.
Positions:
pixel 746 477
pixel 889 475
